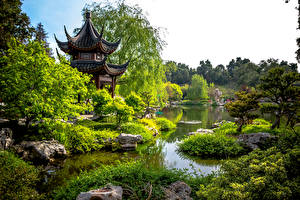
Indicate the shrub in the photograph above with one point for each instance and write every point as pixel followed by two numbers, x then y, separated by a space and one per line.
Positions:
pixel 134 177
pixel 135 102
pixel 211 145
pixel 18 179
pixel 227 129
pixel 149 122
pixel 164 124
pixel 101 99
pixel 119 108
pixel 262 175
pixel 137 129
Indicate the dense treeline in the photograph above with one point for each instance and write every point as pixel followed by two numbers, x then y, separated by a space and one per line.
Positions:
pixel 237 73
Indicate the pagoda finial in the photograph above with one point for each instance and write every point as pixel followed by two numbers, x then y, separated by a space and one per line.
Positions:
pixel 88 14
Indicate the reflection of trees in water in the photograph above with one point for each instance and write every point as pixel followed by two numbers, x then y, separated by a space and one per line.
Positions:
pixel 174 114
pixel 154 155
pixel 200 161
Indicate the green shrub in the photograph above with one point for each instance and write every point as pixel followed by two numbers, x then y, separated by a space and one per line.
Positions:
pixel 96 125
pixel 101 99
pixel 149 122
pixel 122 111
pixel 164 124
pixel 137 129
pixel 258 125
pixel 260 175
pixel 211 145
pixel 77 138
pixel 18 179
pixel 134 177
pixel 227 129
pixel 135 102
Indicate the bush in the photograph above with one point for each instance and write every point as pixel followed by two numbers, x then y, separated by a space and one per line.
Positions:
pixel 134 177
pixel 18 179
pixel 258 125
pixel 211 145
pixel 135 102
pixel 164 124
pixel 262 175
pixel 101 99
pixel 137 129
pixel 149 122
pixel 122 111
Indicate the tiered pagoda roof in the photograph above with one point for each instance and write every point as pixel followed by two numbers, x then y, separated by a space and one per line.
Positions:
pixel 90 42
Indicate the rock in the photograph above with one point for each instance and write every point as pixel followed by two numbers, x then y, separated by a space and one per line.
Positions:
pixel 255 140
pixel 190 122
pixel 41 151
pixel 6 140
pixel 202 130
pixel 153 130
pixel 178 191
pixel 129 141
pixel 108 192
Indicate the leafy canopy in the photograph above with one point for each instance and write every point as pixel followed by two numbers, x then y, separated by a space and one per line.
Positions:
pixel 278 86
pixel 198 88
pixel 141 43
pixel 34 87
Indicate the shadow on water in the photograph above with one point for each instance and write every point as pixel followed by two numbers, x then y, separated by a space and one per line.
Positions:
pixel 162 153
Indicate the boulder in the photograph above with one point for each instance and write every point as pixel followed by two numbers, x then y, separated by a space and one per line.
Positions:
pixel 41 151
pixel 255 140
pixel 178 191
pixel 202 130
pixel 129 141
pixel 6 140
pixel 108 192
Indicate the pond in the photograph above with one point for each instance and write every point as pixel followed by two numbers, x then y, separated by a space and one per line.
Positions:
pixel 162 153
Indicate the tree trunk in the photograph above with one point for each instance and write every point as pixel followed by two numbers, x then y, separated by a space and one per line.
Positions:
pixel 239 129
pixel 276 122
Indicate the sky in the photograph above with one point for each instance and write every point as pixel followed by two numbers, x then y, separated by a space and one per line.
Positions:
pixel 218 30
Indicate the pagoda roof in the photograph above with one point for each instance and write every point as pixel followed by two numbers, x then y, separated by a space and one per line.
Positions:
pixel 87 39
pixel 92 66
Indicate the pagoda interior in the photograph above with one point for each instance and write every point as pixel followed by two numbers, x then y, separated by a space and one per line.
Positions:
pixel 89 51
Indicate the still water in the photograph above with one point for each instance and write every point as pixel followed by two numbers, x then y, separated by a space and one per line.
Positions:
pixel 162 153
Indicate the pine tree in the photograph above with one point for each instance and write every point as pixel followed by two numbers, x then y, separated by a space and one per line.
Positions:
pixel 41 36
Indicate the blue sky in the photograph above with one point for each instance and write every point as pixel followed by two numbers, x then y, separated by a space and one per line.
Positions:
pixel 217 30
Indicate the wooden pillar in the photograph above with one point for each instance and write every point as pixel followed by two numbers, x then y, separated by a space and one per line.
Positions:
pixel 113 86
pixel 97 79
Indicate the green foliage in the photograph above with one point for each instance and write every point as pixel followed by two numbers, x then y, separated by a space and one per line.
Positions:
pixel 141 43
pixel 211 145
pixel 132 176
pixel 14 23
pixel 243 108
pixel 268 174
pixel 137 129
pixel 77 138
pixel 122 112
pixel 18 179
pixel 197 89
pixel 164 124
pixel 135 102
pixel 151 123
pixel 101 99
pixel 34 87
pixel 279 89
pixel 174 91
pixel 227 129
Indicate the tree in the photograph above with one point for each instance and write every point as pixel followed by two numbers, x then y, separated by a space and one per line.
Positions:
pixel 243 107
pixel 34 87
pixel 13 23
pixel 135 102
pixel 174 91
pixel 41 36
pixel 198 88
pixel 141 43
pixel 279 89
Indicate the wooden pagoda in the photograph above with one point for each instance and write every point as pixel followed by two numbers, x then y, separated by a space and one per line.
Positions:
pixel 89 51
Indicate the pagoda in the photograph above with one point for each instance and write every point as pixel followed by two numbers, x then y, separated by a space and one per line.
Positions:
pixel 89 51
